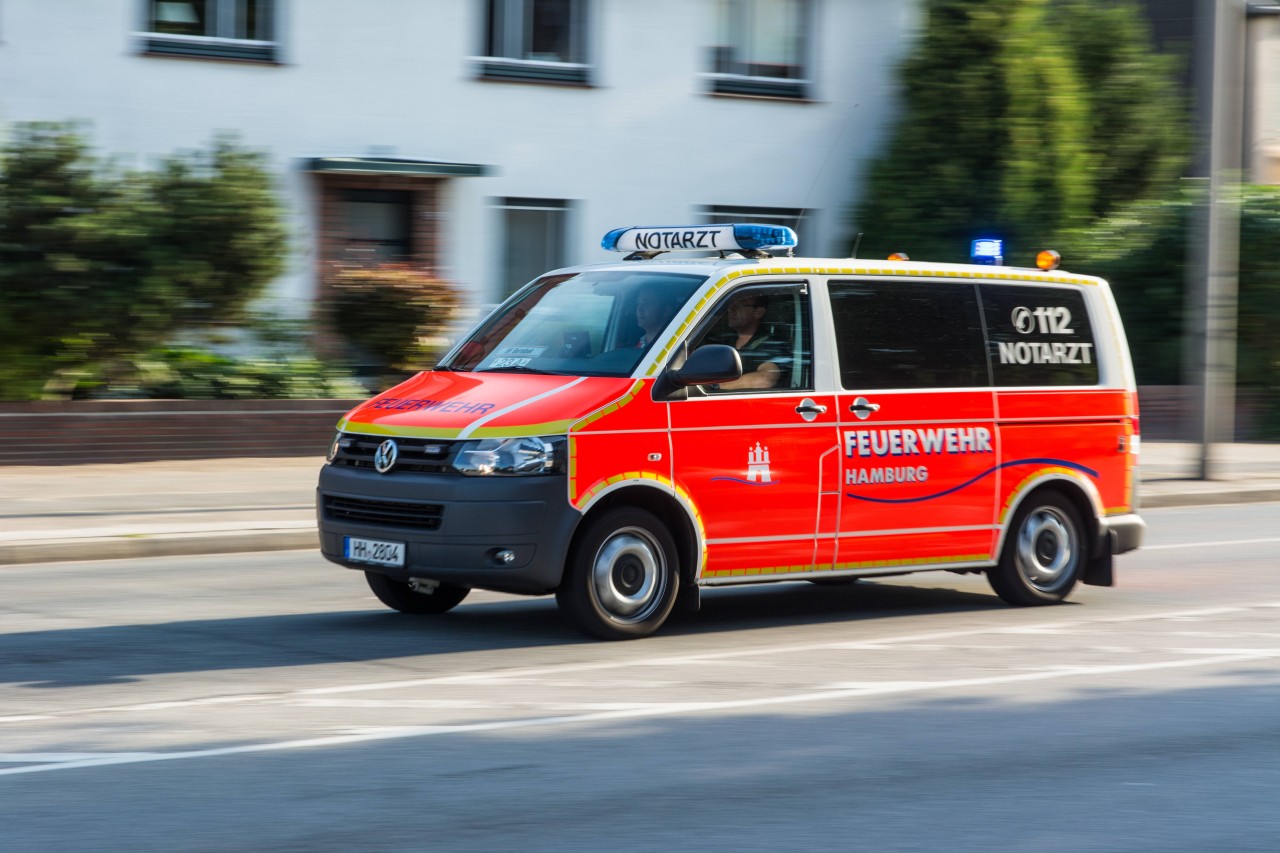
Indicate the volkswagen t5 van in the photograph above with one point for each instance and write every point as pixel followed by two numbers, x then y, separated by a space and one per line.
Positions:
pixel 625 434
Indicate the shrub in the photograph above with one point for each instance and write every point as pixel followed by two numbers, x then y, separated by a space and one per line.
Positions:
pixel 99 264
pixel 390 315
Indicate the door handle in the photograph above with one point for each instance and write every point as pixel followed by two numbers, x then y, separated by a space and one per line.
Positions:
pixel 863 408
pixel 808 409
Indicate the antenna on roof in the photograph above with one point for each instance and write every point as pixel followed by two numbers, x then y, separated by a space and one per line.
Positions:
pixel 856 243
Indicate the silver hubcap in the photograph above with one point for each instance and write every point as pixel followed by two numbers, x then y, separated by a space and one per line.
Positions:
pixel 629 575
pixel 1047 550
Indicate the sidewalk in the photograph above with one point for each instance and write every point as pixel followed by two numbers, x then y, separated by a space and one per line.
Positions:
pixel 214 506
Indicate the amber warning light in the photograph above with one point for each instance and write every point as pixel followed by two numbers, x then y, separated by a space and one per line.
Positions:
pixel 1048 259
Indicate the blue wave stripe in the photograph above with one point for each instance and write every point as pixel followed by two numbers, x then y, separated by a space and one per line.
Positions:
pixel 744 482
pixel 1037 460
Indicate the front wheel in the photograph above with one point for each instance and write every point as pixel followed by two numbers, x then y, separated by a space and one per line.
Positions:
pixel 621 579
pixel 1044 552
pixel 400 596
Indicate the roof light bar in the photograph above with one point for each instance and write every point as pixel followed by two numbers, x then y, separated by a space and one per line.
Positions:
pixel 987 251
pixel 692 238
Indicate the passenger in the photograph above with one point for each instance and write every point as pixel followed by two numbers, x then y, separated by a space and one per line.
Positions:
pixel 758 350
pixel 654 310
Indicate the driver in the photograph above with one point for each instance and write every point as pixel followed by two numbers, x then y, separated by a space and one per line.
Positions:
pixel 744 315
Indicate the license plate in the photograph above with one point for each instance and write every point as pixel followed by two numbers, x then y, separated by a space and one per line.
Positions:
pixel 373 551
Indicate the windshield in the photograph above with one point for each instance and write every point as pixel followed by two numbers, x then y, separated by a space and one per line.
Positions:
pixel 579 324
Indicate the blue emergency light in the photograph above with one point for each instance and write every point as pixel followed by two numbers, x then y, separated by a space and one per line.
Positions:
pixel 733 237
pixel 987 250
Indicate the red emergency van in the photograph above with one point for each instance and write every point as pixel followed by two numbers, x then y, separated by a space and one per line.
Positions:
pixel 624 434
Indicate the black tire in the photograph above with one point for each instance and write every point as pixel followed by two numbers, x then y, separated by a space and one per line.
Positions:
pixel 622 577
pixel 400 596
pixel 1044 554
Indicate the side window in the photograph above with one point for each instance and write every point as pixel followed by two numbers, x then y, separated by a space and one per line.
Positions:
pixel 770 328
pixel 535 41
pixel 1039 336
pixel 211 29
pixel 906 334
pixel 761 48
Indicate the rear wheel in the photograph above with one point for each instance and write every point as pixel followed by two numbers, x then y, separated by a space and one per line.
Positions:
pixel 400 596
pixel 621 580
pixel 1044 552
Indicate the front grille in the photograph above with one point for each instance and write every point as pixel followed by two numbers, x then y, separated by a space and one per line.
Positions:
pixel 394 513
pixel 423 455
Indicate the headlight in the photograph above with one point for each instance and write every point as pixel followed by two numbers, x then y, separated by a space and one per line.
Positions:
pixel 508 457
pixel 333 447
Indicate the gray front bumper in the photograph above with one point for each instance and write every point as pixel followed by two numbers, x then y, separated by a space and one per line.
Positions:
pixel 480 516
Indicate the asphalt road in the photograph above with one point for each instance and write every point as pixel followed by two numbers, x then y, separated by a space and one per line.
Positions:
pixel 268 702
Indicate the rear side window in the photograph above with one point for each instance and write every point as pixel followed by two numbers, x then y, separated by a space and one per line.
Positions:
pixel 908 334
pixel 1039 336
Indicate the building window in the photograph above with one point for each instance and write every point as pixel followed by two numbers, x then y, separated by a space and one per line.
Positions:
pixel 377 226
pixel 761 48
pixel 534 234
pixel 211 29
pixel 540 41
pixel 792 217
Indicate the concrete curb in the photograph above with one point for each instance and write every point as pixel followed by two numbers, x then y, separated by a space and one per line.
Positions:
pixel 156 545
pixel 1234 496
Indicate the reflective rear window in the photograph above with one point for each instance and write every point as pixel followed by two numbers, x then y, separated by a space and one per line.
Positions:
pixel 1039 336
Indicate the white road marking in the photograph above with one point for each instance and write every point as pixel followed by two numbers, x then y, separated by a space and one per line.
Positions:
pixel 45 757
pixel 1210 544
pixel 704 657
pixel 854 690
pixel 1180 614
pixel 146 706
pixel 699 659
pixel 1261 652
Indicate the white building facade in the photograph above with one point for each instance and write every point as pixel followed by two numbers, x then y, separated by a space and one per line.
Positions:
pixel 1262 94
pixel 484 140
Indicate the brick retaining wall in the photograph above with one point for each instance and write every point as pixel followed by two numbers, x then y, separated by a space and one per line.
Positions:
pixel 1171 413
pixel 73 433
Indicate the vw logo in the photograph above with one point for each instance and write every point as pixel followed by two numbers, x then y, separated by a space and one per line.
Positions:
pixel 385 457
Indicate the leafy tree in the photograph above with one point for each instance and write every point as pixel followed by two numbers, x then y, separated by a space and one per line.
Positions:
pixel 99 263
pixel 217 233
pixel 1143 251
pixel 52 202
pixel 1138 115
pixel 1022 119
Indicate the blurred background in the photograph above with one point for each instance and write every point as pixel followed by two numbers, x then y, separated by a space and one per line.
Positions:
pixel 217 207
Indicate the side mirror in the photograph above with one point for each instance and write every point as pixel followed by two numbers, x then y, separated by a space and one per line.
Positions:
pixel 708 364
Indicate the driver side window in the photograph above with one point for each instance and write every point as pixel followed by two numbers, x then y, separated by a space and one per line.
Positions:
pixel 769 326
